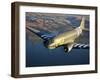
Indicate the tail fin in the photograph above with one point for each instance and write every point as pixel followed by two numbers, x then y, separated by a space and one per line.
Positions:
pixel 82 24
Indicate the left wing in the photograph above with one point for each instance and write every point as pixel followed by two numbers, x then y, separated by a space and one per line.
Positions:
pixel 42 34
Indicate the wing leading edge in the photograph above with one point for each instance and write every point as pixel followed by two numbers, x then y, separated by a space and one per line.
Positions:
pixel 42 34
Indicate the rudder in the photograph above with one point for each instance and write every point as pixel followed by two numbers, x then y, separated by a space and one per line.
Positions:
pixel 82 24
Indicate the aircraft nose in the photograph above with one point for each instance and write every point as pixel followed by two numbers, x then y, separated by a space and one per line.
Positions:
pixel 46 43
pixel 51 46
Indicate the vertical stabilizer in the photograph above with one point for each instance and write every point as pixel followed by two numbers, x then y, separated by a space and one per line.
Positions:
pixel 82 24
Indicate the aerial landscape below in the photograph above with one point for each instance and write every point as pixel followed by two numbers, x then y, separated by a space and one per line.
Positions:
pixel 53 25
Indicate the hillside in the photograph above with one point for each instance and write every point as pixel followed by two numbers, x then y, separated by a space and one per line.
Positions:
pixel 57 23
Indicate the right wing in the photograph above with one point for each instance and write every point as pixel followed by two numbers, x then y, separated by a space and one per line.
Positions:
pixel 42 34
pixel 70 46
pixel 81 46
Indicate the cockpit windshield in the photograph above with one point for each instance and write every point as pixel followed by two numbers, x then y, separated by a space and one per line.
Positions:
pixel 50 41
pixel 47 42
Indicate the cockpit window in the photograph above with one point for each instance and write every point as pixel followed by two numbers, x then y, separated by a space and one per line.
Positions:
pixel 47 42
pixel 51 41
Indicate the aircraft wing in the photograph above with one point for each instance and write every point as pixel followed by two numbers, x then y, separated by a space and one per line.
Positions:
pixel 69 47
pixel 82 42
pixel 81 46
pixel 42 34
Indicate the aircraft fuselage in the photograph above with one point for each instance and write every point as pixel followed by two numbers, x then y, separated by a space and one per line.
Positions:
pixel 65 38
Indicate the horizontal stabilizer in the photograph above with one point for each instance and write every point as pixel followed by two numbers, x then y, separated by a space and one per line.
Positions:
pixel 86 29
